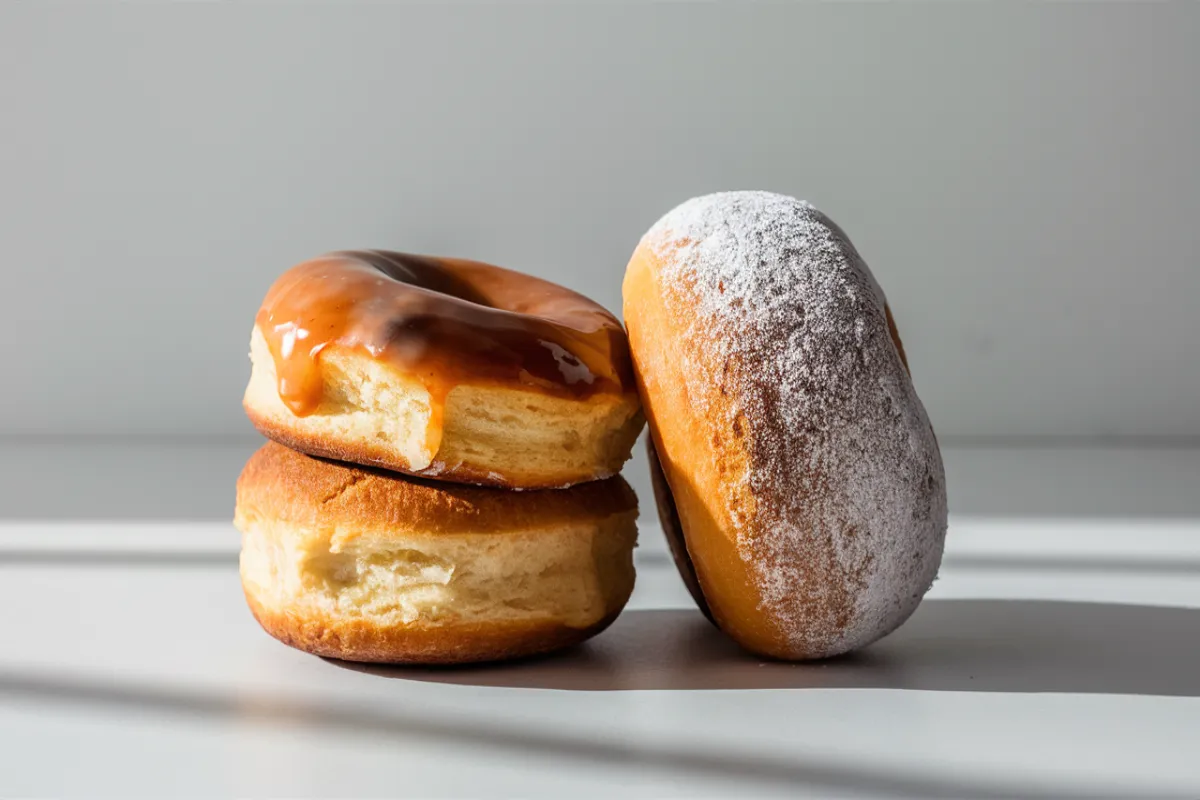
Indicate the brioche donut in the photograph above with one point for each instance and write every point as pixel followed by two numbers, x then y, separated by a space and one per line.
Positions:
pixel 804 475
pixel 443 368
pixel 358 564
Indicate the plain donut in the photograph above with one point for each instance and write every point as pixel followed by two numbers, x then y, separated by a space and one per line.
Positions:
pixel 362 565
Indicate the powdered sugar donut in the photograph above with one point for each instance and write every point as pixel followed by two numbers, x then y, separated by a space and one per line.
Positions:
pixel 806 478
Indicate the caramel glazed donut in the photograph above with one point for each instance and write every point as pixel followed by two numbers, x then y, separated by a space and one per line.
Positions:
pixel 359 564
pixel 443 368
pixel 800 477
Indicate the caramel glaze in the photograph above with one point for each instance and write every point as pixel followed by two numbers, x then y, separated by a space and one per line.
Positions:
pixel 445 321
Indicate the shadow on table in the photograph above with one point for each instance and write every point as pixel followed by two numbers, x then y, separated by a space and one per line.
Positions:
pixel 948 645
pixel 979 645
pixel 628 760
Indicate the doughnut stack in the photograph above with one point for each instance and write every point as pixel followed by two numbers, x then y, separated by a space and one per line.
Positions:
pixel 441 485
pixel 441 482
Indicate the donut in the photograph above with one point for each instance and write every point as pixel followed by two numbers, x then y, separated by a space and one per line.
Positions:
pixel 443 368
pixel 360 564
pixel 801 475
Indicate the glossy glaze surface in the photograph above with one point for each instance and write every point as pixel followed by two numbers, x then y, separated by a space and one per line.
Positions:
pixel 446 321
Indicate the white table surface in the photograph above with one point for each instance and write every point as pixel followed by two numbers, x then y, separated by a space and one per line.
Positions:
pixel 1057 656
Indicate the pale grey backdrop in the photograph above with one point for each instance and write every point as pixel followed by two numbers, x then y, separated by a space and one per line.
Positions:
pixel 1023 179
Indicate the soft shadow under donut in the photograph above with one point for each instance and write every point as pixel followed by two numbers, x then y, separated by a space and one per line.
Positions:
pixel 948 645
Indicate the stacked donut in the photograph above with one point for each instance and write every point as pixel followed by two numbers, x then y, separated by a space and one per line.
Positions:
pixel 441 482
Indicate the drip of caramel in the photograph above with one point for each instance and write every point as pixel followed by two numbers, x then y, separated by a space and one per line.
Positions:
pixel 446 321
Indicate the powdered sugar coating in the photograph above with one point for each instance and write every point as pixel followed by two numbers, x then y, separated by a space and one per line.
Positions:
pixel 791 354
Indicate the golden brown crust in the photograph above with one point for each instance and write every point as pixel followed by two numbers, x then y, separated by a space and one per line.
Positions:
pixel 723 577
pixel 359 564
pixel 301 489
pixel 668 517
pixel 445 644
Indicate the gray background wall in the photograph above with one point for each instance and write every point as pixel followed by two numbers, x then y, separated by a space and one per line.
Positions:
pixel 1024 180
